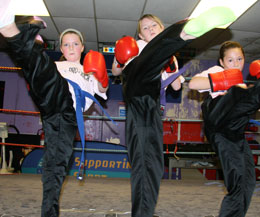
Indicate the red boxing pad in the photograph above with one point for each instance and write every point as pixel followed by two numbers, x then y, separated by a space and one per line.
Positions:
pixel 125 49
pixel 254 68
pixel 225 79
pixel 95 62
pixel 170 66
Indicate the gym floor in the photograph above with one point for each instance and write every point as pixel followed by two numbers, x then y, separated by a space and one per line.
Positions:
pixel 192 196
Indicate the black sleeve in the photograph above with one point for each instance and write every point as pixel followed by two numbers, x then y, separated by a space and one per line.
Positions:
pixel 231 112
pixel 48 88
pixel 146 68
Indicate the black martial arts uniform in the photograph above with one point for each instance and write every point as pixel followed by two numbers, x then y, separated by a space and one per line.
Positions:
pixel 50 92
pixel 225 118
pixel 144 132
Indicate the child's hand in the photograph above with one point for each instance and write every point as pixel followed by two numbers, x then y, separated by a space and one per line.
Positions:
pixel 244 86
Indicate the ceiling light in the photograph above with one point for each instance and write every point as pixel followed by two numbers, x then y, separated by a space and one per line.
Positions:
pixel 237 6
pixel 30 7
pixel 108 49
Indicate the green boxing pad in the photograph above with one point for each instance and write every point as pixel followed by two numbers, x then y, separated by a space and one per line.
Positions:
pixel 210 19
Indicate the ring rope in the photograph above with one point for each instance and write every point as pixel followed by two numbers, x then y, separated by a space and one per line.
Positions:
pixel 107 150
pixel 24 145
pixel 19 112
pixel 96 116
pixel 8 69
pixel 111 213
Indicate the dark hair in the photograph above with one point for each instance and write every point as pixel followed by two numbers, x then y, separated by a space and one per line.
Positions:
pixel 228 45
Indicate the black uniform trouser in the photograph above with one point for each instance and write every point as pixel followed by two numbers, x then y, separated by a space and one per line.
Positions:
pixel 50 92
pixel 225 120
pixel 145 151
pixel 144 132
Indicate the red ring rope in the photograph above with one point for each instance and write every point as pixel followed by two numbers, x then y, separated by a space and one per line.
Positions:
pixel 7 69
pixel 24 145
pixel 19 112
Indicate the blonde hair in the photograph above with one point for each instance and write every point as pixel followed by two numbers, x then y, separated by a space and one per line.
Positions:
pixel 149 16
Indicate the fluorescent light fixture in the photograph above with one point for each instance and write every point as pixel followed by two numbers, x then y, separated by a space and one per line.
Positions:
pixel 30 8
pixel 237 6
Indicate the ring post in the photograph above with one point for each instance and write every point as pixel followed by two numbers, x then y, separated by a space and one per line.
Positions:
pixel 3 135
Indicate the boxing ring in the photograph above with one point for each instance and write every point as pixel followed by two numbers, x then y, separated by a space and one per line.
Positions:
pixel 180 137
pixel 100 196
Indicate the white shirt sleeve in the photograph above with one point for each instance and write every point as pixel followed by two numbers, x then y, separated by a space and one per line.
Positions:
pixel 141 44
pixel 213 69
pixel 205 73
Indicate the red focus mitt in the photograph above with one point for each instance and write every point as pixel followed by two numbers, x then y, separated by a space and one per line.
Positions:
pixel 125 49
pixel 225 79
pixel 170 66
pixel 254 68
pixel 95 62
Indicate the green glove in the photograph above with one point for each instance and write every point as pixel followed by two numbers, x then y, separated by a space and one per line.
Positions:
pixel 210 19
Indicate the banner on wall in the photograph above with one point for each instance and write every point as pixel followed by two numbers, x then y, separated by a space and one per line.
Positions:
pixel 103 160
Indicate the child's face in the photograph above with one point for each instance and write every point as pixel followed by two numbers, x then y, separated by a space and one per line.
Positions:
pixel 149 29
pixel 233 59
pixel 71 47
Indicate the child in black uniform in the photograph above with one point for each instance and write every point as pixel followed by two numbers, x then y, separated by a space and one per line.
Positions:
pixel 226 115
pixel 52 95
pixel 141 87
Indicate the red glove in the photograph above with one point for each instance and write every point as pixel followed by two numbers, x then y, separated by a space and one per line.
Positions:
pixel 125 49
pixel 170 66
pixel 254 68
pixel 225 79
pixel 95 62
